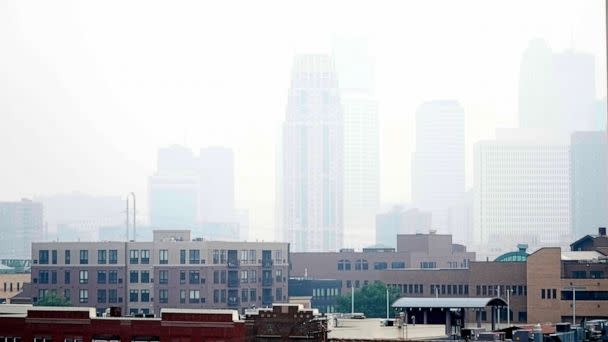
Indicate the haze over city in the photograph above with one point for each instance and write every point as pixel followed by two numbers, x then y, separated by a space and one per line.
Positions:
pixel 91 91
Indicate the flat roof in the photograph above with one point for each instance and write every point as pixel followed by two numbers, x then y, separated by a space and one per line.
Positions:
pixel 448 303
pixel 581 255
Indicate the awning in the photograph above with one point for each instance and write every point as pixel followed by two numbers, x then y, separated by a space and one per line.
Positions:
pixel 448 303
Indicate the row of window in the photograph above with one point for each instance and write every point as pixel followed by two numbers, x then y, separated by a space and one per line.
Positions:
pixel 325 292
pixel 548 293
pixel 135 296
pixel 363 265
pixel 103 256
pixel 450 289
pixel 8 287
pixel 592 274
pixel 501 290
pixel 137 256
pixel 103 277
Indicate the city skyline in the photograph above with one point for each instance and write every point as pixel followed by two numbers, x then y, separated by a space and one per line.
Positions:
pixel 146 110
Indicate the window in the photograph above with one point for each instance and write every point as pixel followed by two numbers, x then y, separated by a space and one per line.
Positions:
pixel 112 277
pixel 244 277
pixel 145 277
pixel 134 256
pixel 42 293
pixel 101 277
pixel 194 277
pixel 43 277
pixel 84 257
pixel 182 257
pixel 112 296
pixel 145 256
pixel 43 257
pixel 67 295
pixel 83 296
pixel 145 295
pixel 397 264
pixel 243 256
pixel 216 256
pixel 542 293
pixel 343 265
pixel 244 295
pixel 66 277
pixel 554 293
pixel 163 257
pixel 278 275
pixel 216 277
pixel 54 257
pixel 182 277
pixel 182 296
pixel 252 295
pixel 223 277
pixel 101 256
pixel 133 296
pixel 163 277
pixel 253 276
pixel 66 257
pixel 101 296
pixel 113 256
pixel 195 296
pixel 279 294
pixel 428 264
pixel 596 274
pixel 195 256
pixel 579 274
pixel 133 277
pixel 223 296
pixel 380 265
pixel 83 277
pixel 216 296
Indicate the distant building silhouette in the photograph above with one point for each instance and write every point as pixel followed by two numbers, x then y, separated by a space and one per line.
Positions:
pixel 557 90
pixel 20 225
pixel 438 162
pixel 312 198
pixel 589 188
pixel 400 221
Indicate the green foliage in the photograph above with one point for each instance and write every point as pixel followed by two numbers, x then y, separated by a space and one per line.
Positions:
pixel 370 300
pixel 53 299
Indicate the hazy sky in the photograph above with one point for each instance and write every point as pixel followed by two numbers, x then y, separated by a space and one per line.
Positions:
pixel 89 90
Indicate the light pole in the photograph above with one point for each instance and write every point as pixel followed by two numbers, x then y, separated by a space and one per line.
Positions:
pixel 573 289
pixel 352 300
pixel 509 306
pixel 387 302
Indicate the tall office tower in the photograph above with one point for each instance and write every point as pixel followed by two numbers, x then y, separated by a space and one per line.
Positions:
pixel 460 219
pixel 537 90
pixel 361 141
pixel 438 163
pixel 557 90
pixel 521 190
pixel 313 173
pixel 216 167
pixel 173 191
pixel 20 225
pixel 589 188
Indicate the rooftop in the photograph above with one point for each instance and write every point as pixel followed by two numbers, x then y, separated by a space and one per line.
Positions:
pixel 581 255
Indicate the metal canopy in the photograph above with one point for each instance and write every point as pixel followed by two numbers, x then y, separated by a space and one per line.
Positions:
pixel 448 303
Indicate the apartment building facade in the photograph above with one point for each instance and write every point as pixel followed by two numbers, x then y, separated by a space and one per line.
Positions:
pixel 170 271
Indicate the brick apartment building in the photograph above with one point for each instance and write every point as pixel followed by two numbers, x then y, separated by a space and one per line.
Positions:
pixel 170 271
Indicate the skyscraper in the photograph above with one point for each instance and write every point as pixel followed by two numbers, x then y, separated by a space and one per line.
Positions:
pixel 438 163
pixel 216 169
pixel 589 188
pixel 521 190
pixel 557 90
pixel 20 225
pixel 313 142
pixel 361 141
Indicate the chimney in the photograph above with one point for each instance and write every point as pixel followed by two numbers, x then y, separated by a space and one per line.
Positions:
pixel 602 231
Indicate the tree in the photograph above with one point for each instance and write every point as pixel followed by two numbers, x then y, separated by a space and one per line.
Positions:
pixel 370 300
pixel 52 299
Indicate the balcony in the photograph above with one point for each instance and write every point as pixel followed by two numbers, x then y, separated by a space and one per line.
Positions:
pixel 233 283
pixel 266 263
pixel 233 301
pixel 266 300
pixel 233 263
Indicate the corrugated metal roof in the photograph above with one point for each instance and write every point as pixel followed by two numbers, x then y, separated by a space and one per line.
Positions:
pixel 463 302
pixel 581 255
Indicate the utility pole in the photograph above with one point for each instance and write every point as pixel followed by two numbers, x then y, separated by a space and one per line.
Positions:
pixel 387 302
pixel 509 307
pixel 573 289
pixel 352 299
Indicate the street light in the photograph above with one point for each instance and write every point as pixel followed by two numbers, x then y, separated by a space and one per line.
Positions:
pixel 509 289
pixel 387 302
pixel 573 289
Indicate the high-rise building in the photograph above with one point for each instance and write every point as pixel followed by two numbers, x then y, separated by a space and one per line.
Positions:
pixel 460 219
pixel 557 90
pixel 20 225
pixel 521 191
pixel 216 169
pixel 438 163
pixel 589 187
pixel 312 198
pixel 361 141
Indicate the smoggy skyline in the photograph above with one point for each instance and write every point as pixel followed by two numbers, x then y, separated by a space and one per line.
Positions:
pixel 90 91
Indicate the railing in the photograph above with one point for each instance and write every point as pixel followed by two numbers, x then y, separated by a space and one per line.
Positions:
pixel 266 281
pixel 266 263
pixel 233 263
